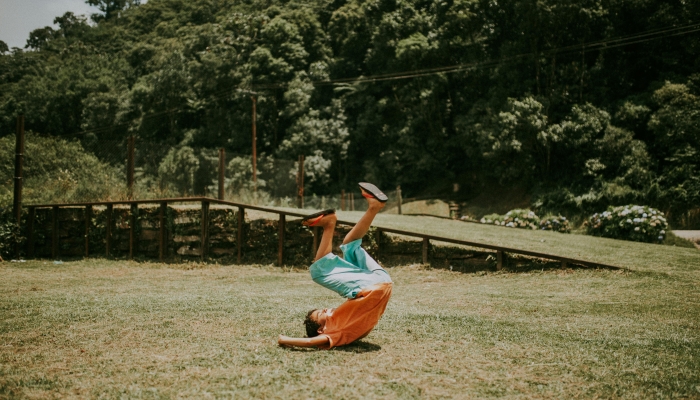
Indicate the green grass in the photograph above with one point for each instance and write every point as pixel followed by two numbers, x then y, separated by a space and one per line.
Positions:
pixel 621 253
pixel 97 328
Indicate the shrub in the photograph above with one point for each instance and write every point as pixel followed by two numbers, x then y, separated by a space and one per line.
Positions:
pixel 57 170
pixel 631 222
pixel 555 223
pixel 9 233
pixel 518 218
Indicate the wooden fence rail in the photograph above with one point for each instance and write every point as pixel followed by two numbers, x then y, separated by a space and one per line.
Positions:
pixel 204 238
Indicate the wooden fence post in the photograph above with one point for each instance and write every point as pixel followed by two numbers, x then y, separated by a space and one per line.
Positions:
pixel 398 198
pixel 54 232
pixel 239 232
pixel 204 238
pixel 280 251
pixel 108 229
pixel 132 229
pixel 563 264
pixel 426 243
pixel 30 232
pixel 161 230
pixel 499 260
pixel 88 218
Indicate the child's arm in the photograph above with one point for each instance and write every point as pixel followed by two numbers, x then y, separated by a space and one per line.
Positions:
pixel 286 341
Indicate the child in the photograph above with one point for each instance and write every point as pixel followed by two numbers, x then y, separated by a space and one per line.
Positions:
pixel 358 277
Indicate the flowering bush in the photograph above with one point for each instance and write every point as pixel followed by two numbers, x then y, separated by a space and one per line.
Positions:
pixel 637 223
pixel 555 223
pixel 524 219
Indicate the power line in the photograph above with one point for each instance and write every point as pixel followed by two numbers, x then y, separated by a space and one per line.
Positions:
pixel 637 38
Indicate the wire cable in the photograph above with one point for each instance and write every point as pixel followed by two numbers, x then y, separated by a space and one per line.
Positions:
pixel 637 38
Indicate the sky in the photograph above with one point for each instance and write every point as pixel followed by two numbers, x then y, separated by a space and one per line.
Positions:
pixel 19 17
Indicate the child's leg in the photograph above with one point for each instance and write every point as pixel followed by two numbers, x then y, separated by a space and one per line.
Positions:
pixel 360 229
pixel 326 245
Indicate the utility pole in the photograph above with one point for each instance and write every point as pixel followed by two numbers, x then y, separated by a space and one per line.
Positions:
pixel 300 183
pixel 255 146
pixel 222 169
pixel 255 150
pixel 130 168
pixel 19 161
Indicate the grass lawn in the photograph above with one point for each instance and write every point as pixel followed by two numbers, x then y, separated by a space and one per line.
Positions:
pixel 98 328
pixel 625 254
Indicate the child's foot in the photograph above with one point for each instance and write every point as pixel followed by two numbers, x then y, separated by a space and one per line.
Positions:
pixel 323 218
pixel 327 221
pixel 375 197
pixel 374 204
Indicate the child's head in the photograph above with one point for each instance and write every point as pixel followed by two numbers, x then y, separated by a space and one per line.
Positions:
pixel 316 320
pixel 312 325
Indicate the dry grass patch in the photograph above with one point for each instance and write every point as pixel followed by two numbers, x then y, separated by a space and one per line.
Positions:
pixel 99 328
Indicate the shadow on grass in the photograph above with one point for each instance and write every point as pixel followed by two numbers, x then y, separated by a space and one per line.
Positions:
pixel 359 347
pixel 355 347
pixel 485 262
pixel 525 266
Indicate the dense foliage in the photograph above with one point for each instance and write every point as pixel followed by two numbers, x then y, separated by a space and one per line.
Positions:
pixel 630 222
pixel 58 170
pixel 581 104
pixel 10 234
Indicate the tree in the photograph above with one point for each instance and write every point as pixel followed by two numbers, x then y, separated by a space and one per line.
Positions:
pixel 110 8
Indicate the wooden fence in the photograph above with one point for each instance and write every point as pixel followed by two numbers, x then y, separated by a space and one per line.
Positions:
pixel 204 242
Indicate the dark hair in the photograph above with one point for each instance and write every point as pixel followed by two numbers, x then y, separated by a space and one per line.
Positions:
pixel 311 325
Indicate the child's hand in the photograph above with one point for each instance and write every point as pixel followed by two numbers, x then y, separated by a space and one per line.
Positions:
pixel 283 341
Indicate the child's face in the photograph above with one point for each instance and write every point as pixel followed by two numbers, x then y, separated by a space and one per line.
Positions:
pixel 321 316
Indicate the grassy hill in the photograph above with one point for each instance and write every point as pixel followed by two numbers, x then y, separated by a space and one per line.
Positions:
pixel 625 254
